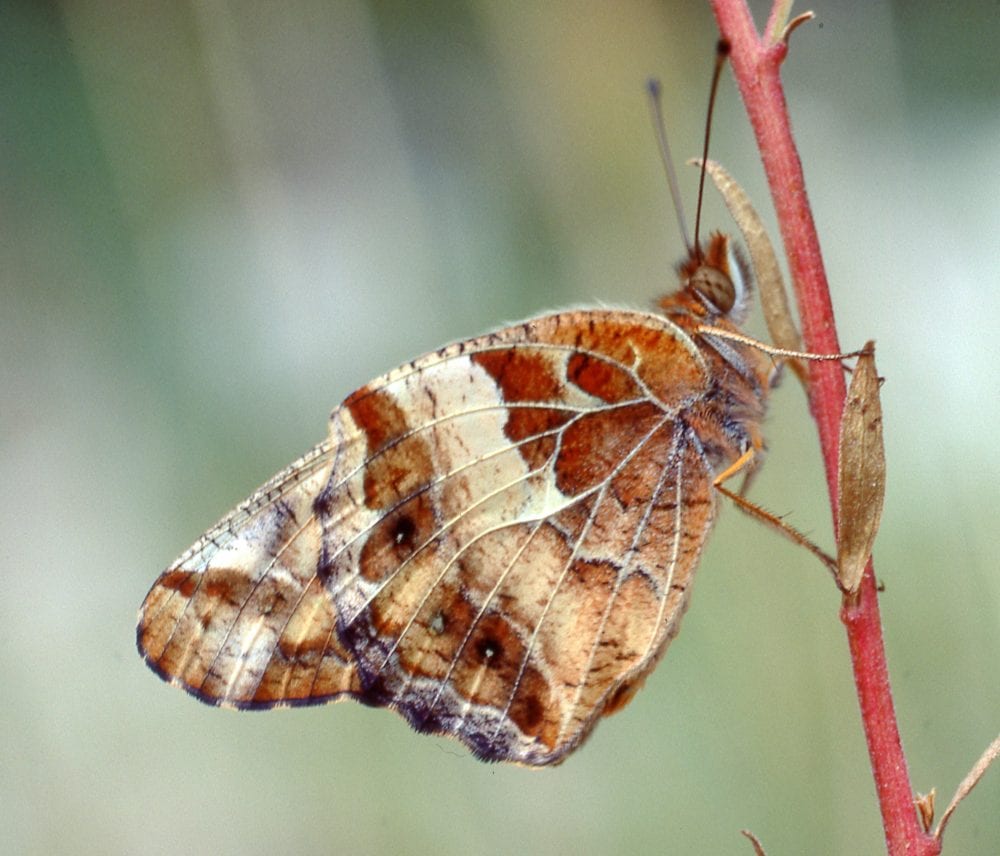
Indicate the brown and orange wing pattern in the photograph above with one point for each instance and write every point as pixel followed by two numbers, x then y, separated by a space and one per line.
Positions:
pixel 246 596
pixel 496 540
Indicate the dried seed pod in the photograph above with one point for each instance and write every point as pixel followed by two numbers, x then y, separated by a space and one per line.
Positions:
pixel 862 472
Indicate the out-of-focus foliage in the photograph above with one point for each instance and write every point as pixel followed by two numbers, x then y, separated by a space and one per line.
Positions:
pixel 217 219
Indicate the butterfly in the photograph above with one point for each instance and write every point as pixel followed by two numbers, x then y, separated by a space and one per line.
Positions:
pixel 497 540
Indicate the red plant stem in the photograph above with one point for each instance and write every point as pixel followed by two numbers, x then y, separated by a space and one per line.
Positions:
pixel 756 66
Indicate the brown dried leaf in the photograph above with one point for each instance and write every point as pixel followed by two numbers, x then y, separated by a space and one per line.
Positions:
pixel 925 808
pixel 773 298
pixel 862 472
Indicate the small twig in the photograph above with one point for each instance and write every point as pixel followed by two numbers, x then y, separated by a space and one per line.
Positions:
pixel 968 783
pixel 758 848
pixel 795 23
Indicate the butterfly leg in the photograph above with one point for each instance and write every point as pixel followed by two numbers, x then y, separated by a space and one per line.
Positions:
pixel 745 464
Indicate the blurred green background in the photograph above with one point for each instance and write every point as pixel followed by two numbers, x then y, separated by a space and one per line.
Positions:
pixel 217 219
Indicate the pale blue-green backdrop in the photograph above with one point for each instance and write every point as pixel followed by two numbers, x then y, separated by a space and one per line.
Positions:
pixel 218 218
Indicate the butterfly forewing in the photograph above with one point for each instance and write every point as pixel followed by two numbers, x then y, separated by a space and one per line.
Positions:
pixel 496 540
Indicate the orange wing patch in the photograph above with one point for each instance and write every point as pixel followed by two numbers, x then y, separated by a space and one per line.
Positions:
pixel 496 540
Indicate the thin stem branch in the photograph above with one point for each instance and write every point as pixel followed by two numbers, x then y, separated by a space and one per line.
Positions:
pixel 756 66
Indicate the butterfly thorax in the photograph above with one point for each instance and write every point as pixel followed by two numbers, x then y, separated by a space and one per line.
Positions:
pixel 715 288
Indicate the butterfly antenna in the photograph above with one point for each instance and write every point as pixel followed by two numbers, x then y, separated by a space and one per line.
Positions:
pixel 656 108
pixel 721 53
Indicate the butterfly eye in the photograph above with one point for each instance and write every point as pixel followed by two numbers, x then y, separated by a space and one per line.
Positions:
pixel 715 286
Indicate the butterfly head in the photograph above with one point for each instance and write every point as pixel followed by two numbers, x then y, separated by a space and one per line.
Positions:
pixel 718 277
